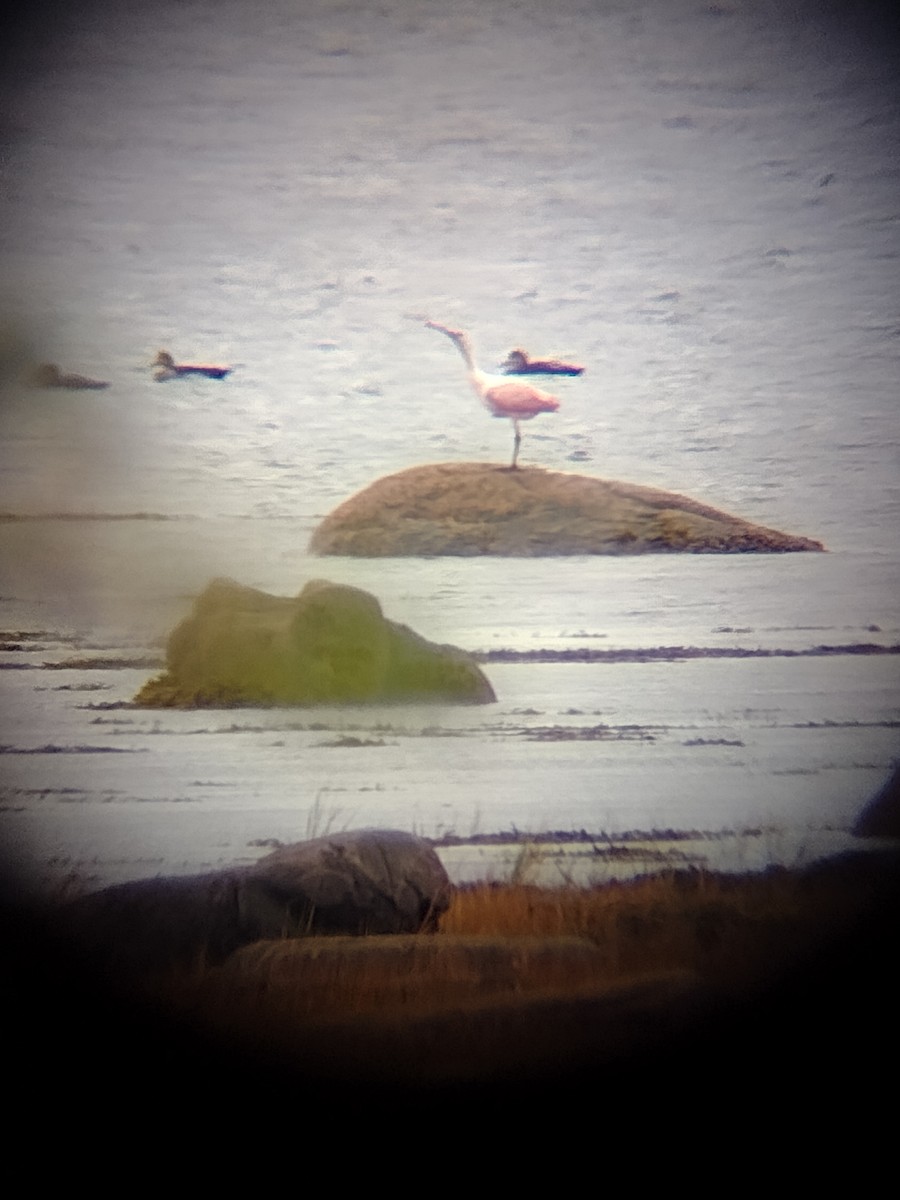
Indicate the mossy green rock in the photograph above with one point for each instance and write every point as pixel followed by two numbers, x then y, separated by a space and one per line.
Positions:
pixel 479 508
pixel 329 645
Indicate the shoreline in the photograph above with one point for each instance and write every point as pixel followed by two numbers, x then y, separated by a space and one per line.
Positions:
pixel 673 653
pixel 585 864
pixel 549 860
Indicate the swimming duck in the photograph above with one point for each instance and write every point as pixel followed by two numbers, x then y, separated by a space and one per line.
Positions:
pixel 518 363
pixel 169 369
pixel 48 375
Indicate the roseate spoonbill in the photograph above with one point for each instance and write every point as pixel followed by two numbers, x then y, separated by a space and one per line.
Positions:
pixel 518 363
pixel 169 369
pixel 48 375
pixel 516 401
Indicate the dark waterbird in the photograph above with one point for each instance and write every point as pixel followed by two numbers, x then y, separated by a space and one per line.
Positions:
pixel 518 363
pixel 169 369
pixel 48 375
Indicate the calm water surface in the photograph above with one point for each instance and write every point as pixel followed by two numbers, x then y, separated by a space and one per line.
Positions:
pixel 700 204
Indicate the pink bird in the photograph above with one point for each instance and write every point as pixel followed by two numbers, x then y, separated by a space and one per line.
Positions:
pixel 516 401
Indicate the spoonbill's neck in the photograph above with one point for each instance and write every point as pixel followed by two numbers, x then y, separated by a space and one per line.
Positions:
pixel 481 384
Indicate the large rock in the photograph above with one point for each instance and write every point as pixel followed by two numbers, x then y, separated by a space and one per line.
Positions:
pixel 478 508
pixel 329 645
pixel 151 925
pixel 366 881
pixel 881 816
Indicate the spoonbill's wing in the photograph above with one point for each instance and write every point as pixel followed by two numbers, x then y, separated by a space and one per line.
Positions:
pixel 518 400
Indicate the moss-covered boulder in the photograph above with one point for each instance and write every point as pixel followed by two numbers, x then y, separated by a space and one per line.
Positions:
pixel 478 508
pixel 329 645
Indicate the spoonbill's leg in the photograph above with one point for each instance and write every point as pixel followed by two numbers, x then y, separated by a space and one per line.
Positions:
pixel 516 444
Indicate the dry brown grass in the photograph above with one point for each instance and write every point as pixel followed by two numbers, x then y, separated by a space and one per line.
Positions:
pixel 523 982
pixel 730 930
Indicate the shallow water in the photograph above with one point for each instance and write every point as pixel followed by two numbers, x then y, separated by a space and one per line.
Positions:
pixel 699 204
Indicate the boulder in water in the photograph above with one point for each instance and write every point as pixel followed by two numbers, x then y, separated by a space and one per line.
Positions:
pixel 479 508
pixel 329 645
pixel 881 816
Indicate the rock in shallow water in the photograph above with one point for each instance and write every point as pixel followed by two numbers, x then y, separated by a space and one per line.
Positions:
pixel 881 816
pixel 479 508
pixel 329 645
